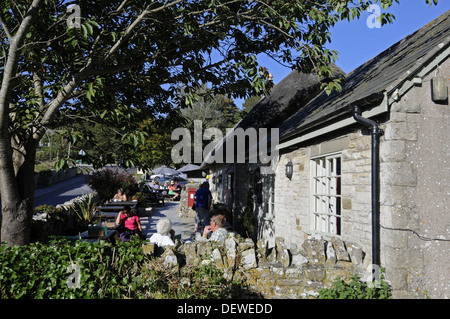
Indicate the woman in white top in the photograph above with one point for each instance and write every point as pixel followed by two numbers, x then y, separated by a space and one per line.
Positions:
pixel 165 234
pixel 120 196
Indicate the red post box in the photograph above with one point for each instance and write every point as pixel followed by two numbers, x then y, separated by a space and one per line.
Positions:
pixel 191 194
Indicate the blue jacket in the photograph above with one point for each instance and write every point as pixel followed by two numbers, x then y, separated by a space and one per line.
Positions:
pixel 202 196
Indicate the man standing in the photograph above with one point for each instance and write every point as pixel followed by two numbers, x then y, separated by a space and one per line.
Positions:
pixel 203 203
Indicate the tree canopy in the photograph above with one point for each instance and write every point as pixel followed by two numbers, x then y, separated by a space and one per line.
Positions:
pixel 114 61
pixel 119 62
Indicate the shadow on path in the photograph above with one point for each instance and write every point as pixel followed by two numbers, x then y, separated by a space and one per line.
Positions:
pixel 184 226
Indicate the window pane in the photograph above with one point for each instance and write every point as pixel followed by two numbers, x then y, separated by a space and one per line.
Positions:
pixel 326 192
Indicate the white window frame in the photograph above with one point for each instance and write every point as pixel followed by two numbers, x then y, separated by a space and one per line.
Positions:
pixel 326 194
pixel 269 207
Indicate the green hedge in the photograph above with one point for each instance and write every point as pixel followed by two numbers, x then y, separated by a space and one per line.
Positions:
pixel 44 270
pixel 81 270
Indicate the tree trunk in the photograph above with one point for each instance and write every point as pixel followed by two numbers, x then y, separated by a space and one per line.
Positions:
pixel 17 193
pixel 16 221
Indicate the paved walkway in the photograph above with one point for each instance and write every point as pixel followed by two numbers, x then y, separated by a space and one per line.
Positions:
pixel 66 190
pixel 61 192
pixel 183 226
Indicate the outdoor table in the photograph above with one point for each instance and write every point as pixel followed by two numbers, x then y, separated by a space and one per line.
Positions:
pixel 166 195
pixel 111 208
pixel 106 216
pixel 110 225
pixel 96 233
pixel 159 191
pixel 121 203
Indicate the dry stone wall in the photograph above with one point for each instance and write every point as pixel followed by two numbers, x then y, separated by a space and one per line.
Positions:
pixel 45 224
pixel 271 272
pixel 184 210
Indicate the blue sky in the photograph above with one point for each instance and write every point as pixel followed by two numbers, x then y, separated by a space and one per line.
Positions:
pixel 357 43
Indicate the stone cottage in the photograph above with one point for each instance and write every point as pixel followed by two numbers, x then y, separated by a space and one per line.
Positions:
pixel 232 172
pixel 367 165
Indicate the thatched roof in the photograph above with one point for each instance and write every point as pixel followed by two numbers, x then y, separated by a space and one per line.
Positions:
pixel 285 98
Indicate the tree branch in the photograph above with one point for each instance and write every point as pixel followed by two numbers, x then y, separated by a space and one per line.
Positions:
pixel 5 27
pixel 12 63
pixel 134 24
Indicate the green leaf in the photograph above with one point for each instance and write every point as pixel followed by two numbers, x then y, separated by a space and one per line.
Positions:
pixel 60 164
pixel 84 31
pixel 93 23
pixel 89 29
pixel 91 89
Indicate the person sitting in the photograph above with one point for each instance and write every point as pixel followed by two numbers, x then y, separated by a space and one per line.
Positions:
pixel 165 234
pixel 127 224
pixel 120 196
pixel 217 227
pixel 154 186
pixel 176 190
pixel 172 189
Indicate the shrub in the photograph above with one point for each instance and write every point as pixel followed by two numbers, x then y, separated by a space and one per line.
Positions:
pixel 50 223
pixel 85 209
pixel 194 282
pixel 354 288
pixel 83 270
pixel 141 198
pixel 106 182
pixel 48 209
pixel 61 270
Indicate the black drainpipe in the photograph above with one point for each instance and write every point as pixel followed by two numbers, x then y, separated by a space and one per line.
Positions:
pixel 376 132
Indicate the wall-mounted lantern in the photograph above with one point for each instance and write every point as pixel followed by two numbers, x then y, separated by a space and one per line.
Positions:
pixel 289 170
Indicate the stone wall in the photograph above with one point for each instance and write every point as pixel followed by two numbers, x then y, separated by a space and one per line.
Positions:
pixel 52 177
pixel 184 210
pixel 293 197
pixel 415 183
pixel 277 272
pixel 59 220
